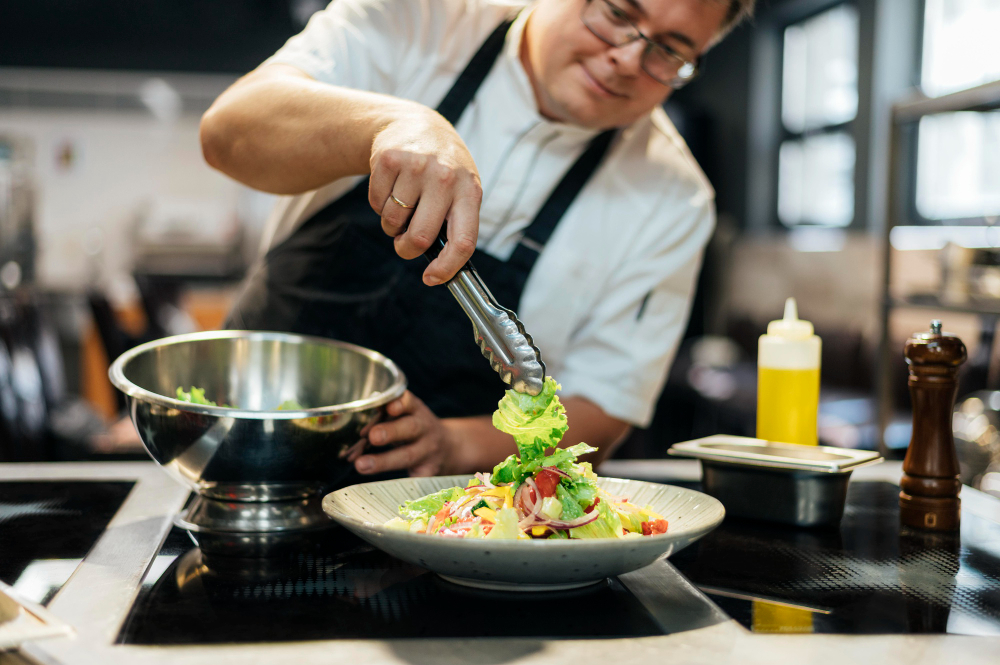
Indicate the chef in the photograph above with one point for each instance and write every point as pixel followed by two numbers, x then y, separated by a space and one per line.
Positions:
pixel 534 137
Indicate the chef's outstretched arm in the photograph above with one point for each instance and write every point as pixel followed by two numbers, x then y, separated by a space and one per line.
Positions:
pixel 280 131
pixel 429 446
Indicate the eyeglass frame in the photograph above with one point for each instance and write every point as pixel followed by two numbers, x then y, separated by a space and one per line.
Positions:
pixel 677 82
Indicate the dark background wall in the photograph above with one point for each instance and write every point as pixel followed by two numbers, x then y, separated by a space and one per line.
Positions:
pixel 230 36
pixel 234 36
pixel 712 115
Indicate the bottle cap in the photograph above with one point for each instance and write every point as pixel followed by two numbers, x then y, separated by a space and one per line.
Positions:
pixel 791 326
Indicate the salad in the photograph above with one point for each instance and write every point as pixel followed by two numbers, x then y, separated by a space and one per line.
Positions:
pixel 541 492
pixel 197 396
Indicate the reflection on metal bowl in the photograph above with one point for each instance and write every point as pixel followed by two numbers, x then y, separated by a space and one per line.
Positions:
pixel 255 451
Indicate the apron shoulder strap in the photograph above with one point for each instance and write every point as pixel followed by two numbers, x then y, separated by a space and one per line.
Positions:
pixel 468 82
pixel 540 230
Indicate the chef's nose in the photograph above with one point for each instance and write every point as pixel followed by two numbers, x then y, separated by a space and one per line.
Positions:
pixel 628 58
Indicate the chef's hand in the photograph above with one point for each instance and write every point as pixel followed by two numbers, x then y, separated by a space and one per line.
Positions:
pixel 424 442
pixel 422 161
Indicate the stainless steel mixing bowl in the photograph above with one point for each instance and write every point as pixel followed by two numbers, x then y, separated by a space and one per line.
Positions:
pixel 255 452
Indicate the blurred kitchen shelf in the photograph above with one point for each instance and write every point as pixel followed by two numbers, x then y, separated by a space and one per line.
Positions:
pixel 975 305
pixel 906 114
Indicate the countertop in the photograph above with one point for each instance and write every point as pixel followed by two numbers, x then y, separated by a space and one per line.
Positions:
pixel 97 598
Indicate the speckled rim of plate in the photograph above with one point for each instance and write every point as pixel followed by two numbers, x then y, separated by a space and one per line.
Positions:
pixel 407 546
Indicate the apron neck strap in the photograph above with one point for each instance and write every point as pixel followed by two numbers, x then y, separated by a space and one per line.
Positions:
pixel 544 223
pixel 538 232
pixel 468 82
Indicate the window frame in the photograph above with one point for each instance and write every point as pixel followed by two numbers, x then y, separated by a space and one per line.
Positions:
pixel 911 146
pixel 889 38
pixel 846 127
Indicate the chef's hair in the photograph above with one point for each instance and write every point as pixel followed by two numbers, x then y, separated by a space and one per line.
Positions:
pixel 739 11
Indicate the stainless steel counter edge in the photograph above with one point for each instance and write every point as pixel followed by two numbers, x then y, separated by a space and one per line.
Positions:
pixel 97 598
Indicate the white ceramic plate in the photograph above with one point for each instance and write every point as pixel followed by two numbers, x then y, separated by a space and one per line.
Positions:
pixel 525 565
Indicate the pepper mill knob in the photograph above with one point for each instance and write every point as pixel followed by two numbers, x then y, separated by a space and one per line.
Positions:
pixel 928 497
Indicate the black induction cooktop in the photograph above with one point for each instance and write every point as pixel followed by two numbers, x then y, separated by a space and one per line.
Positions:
pixel 867 576
pixel 47 528
pixel 342 588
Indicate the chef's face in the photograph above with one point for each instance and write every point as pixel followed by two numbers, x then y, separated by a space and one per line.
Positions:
pixel 581 79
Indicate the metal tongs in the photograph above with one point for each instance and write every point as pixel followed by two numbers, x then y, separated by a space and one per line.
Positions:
pixel 499 334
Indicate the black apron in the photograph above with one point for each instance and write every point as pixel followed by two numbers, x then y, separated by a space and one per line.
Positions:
pixel 338 276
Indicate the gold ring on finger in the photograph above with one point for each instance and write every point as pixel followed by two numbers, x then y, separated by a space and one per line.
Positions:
pixel 401 204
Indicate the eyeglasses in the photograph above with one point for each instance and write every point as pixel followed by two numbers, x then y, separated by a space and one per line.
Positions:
pixel 611 25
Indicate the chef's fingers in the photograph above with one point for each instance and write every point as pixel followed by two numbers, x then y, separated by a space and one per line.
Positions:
pixel 463 230
pixel 403 457
pixel 396 212
pixel 407 428
pixel 425 469
pixel 428 218
pixel 385 170
pixel 407 403
pixel 397 407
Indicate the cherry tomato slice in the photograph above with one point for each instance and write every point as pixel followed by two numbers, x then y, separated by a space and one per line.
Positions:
pixel 654 527
pixel 547 482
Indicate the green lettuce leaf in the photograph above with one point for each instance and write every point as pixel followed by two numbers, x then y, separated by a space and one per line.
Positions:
pixel 506 527
pixel 633 517
pixel 537 423
pixel 630 520
pixel 571 507
pixel 429 505
pixel 608 525
pixel 196 396
pixel 583 490
pixel 565 457
pixel 508 471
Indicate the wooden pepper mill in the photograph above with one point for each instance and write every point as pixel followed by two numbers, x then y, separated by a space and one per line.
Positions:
pixel 929 488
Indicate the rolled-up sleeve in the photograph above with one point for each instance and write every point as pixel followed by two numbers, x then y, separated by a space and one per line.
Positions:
pixel 620 355
pixel 364 44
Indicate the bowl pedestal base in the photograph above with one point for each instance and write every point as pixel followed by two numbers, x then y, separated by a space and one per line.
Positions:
pixel 250 529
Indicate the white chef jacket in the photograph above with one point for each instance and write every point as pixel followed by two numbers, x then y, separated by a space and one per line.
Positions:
pixel 608 298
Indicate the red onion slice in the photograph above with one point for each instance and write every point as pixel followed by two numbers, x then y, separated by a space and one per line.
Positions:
pixel 518 497
pixel 556 470
pixel 530 482
pixel 531 518
pixel 587 518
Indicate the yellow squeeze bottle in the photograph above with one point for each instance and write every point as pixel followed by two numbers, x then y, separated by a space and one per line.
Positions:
pixel 788 380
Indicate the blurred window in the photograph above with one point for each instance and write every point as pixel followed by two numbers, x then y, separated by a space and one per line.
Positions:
pixel 958 166
pixel 961 48
pixel 816 180
pixel 820 70
pixel 819 98
pixel 958 154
